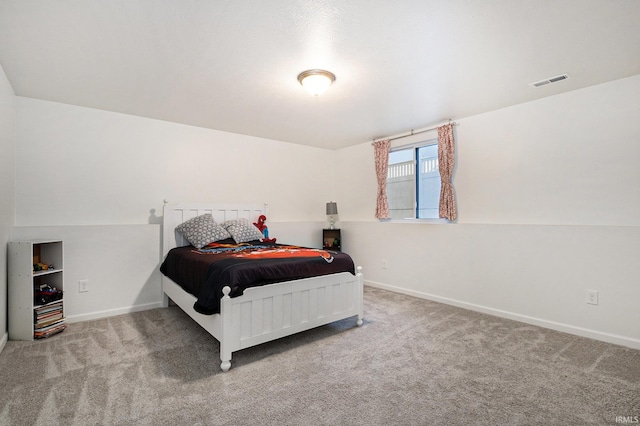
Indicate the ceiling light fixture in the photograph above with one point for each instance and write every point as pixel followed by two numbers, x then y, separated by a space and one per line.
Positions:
pixel 316 81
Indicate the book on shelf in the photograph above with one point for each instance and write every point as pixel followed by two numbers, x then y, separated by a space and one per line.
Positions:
pixel 47 314
pixel 56 328
pixel 49 319
pixel 53 324
pixel 47 306
pixel 45 323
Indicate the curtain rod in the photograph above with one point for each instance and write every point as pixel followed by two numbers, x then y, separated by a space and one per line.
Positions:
pixel 412 132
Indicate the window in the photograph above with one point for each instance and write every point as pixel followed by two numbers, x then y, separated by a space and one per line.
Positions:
pixel 414 195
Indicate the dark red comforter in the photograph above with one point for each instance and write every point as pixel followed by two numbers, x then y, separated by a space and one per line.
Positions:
pixel 205 272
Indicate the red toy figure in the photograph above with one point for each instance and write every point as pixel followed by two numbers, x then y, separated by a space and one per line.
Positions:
pixel 264 229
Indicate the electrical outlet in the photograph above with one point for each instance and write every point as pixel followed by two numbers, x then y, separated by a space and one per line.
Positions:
pixel 384 264
pixel 592 297
pixel 83 286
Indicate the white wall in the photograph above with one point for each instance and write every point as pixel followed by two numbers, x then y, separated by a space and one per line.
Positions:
pixel 80 166
pixel 549 206
pixel 7 203
pixel 97 180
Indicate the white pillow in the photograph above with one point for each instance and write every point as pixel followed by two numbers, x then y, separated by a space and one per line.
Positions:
pixel 202 230
pixel 242 231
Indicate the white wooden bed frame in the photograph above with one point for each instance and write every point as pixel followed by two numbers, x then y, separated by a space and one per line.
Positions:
pixel 263 313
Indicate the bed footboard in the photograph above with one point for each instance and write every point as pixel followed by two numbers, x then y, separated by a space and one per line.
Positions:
pixel 270 312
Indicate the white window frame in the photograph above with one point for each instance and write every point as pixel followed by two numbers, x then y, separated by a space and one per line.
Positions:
pixel 414 146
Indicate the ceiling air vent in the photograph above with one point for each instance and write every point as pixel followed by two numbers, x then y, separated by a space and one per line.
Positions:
pixel 550 80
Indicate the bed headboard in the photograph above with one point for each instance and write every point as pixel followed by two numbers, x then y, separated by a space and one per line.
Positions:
pixel 175 214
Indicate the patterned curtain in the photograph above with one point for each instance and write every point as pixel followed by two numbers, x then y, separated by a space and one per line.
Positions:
pixel 446 162
pixel 381 153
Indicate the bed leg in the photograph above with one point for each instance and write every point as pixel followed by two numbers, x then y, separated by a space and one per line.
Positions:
pixel 360 290
pixel 227 334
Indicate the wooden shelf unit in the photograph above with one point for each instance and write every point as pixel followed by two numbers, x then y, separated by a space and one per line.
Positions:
pixel 23 280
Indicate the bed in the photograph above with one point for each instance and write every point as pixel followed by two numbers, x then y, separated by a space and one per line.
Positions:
pixel 266 312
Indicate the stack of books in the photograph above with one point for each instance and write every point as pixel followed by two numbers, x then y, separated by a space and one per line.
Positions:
pixel 48 320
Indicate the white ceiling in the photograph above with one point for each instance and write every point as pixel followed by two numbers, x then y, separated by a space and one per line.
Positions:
pixel 232 65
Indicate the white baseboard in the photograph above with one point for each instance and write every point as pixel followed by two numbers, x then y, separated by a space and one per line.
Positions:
pixel 3 341
pixel 578 331
pixel 112 312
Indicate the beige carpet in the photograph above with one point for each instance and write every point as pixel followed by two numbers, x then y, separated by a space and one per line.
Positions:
pixel 413 362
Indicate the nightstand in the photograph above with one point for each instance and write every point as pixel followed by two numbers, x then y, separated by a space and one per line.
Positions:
pixel 331 239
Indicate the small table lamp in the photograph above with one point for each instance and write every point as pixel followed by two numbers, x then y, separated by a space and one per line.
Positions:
pixel 332 210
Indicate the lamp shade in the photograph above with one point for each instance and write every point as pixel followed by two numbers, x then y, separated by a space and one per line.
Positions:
pixel 332 208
